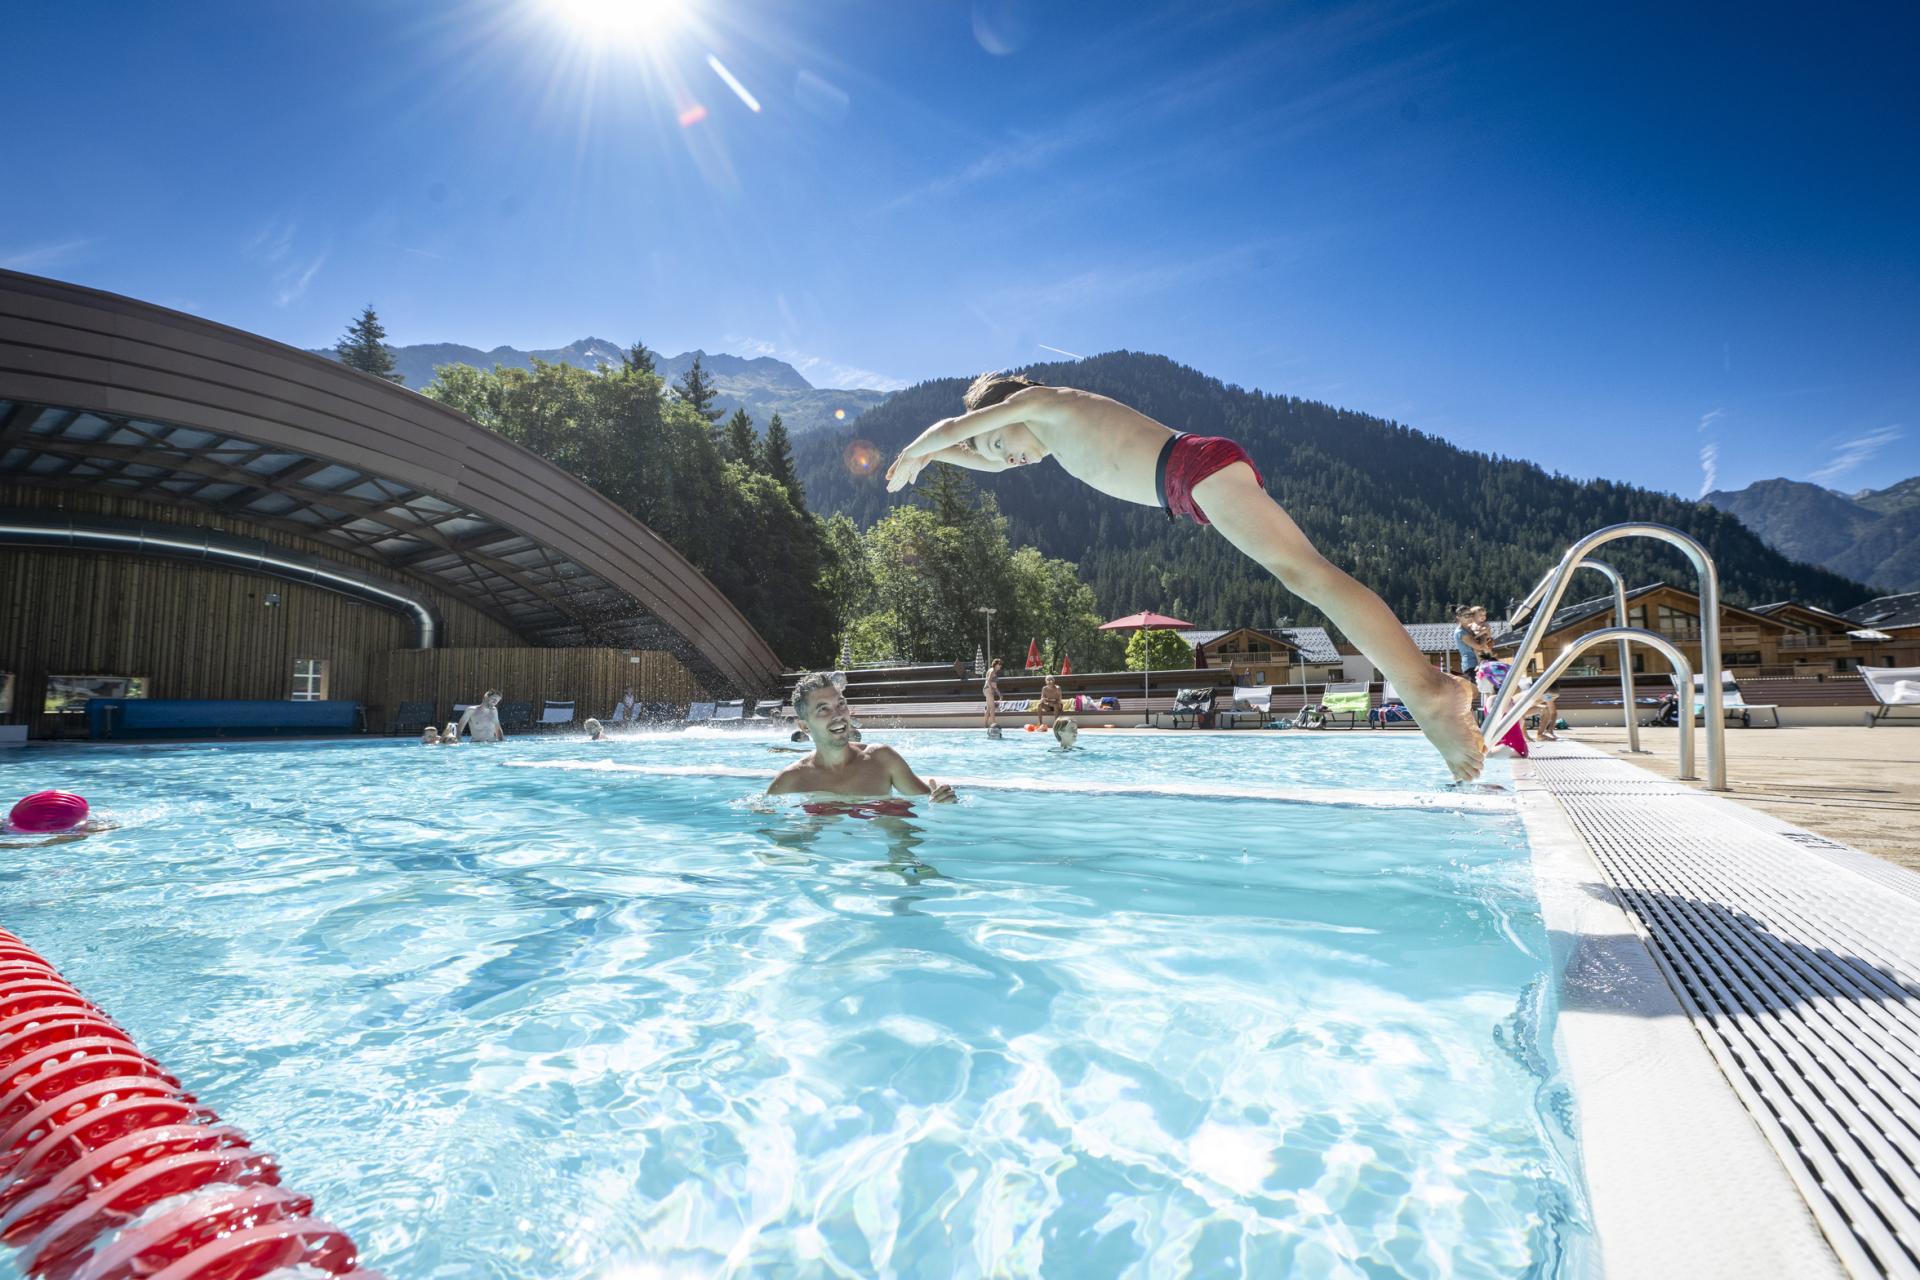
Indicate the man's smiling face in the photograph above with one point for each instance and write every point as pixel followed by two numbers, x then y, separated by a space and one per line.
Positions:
pixel 828 718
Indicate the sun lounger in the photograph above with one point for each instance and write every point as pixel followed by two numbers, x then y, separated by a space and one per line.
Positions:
pixel 1893 688
pixel 770 709
pixel 556 714
pixel 735 710
pixel 1351 700
pixel 699 712
pixel 1192 706
pixel 1735 706
pixel 623 712
pixel 1392 709
pixel 1251 703
pixel 412 717
pixel 516 715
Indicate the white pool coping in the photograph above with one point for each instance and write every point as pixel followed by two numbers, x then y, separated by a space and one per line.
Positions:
pixel 1680 1180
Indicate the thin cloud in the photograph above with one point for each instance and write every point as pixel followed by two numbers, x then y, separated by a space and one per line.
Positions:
pixel 273 242
pixel 819 370
pixel 290 285
pixel 1709 468
pixel 42 257
pixel 1856 452
pixel 1710 417
pixel 1060 351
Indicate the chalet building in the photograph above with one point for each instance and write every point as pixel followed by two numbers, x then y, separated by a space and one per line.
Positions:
pixel 1780 640
pixel 1259 655
pixel 1895 617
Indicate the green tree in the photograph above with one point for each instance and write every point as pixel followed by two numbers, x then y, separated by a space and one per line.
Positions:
pixel 1164 650
pixel 698 391
pixel 364 347
pixel 637 359
pixel 776 459
pixel 743 442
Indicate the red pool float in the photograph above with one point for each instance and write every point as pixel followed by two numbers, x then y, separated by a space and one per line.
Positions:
pixel 48 811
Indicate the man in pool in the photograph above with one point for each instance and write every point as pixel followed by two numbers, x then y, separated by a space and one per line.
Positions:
pixel 1014 422
pixel 839 765
pixel 1066 733
pixel 483 719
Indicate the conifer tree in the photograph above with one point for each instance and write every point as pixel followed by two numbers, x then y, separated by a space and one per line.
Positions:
pixel 638 359
pixel 743 442
pixel 697 389
pixel 364 347
pixel 776 457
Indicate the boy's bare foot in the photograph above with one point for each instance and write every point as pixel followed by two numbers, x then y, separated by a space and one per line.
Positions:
pixel 1443 707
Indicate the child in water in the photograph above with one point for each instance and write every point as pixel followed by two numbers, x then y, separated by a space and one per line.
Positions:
pixel 1015 422
pixel 429 737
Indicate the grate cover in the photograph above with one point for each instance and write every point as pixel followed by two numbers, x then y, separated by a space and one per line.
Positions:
pixel 1798 959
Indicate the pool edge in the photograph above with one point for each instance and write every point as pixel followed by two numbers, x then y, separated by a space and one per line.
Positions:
pixel 1679 1178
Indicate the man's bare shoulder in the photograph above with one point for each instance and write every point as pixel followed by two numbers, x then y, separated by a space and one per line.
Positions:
pixel 792 778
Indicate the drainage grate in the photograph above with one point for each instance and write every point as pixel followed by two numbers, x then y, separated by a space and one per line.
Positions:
pixel 1798 960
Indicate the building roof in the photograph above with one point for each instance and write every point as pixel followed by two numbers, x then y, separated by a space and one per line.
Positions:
pixel 1812 610
pixel 1437 637
pixel 104 394
pixel 1888 612
pixel 1570 615
pixel 1313 643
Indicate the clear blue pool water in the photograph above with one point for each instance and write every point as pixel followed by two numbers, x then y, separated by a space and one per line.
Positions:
pixel 561 1009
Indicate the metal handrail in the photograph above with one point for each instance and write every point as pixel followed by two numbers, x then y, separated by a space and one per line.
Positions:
pixel 1501 720
pixel 1545 599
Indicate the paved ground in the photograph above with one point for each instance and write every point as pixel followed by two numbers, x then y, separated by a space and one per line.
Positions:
pixel 1854 784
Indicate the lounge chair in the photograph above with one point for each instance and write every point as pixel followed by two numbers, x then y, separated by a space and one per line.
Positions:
pixel 769 709
pixel 1191 705
pixel 623 712
pixel 1731 702
pixel 699 712
pixel 411 717
pixel 1250 702
pixel 516 715
pixel 657 713
pixel 1893 688
pixel 556 714
pixel 1392 709
pixel 735 710
pixel 1351 700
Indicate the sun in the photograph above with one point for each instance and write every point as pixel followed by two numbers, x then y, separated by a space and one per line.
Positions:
pixel 623 22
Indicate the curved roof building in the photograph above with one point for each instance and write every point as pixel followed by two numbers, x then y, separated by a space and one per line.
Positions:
pixel 409 501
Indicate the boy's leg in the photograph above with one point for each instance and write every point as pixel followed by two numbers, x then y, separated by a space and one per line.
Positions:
pixel 1243 513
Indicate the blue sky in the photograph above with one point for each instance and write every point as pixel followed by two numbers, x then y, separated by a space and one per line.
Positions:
pixel 1667 244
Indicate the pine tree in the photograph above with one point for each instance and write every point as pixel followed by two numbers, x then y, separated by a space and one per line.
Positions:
pixel 776 459
pixel 697 389
pixel 743 442
pixel 364 347
pixel 638 359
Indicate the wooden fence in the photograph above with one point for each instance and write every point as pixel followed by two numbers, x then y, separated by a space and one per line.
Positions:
pixel 592 679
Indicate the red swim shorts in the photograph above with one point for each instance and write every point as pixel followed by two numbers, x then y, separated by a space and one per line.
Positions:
pixel 1186 460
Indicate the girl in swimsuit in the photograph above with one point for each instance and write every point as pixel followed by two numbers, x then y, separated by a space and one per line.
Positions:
pixel 1015 422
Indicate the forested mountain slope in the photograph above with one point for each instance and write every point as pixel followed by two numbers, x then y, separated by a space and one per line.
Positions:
pixel 1873 535
pixel 1420 521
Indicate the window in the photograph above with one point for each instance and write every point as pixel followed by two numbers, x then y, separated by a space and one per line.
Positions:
pixel 69 695
pixel 1740 659
pixel 309 679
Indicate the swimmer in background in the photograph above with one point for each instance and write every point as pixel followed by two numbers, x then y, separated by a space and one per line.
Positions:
pixel 429 737
pixel 483 718
pixel 450 736
pixel 1015 422
pixel 1066 733
pixel 989 689
pixel 839 764
pixel 595 730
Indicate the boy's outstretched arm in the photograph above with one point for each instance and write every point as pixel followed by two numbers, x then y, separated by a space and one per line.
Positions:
pixel 904 780
pixel 1018 407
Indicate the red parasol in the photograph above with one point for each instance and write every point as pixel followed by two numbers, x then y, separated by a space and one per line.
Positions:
pixel 1144 620
pixel 1033 654
pixel 1066 665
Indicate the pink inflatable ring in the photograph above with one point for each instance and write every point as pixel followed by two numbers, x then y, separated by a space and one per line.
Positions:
pixel 48 811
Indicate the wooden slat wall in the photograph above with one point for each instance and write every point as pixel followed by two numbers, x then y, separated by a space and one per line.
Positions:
pixel 592 679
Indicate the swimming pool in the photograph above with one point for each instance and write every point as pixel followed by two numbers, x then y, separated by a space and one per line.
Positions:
pixel 558 1009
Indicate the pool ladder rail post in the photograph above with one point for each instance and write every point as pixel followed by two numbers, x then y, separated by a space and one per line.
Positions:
pixel 94 1133
pixel 1544 601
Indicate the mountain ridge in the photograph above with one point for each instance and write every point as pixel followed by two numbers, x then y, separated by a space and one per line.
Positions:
pixel 1872 535
pixel 762 385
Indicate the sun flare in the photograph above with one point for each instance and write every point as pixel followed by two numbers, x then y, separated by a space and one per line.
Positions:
pixel 623 22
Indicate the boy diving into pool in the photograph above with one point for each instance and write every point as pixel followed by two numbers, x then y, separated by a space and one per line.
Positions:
pixel 1013 421
pixel 839 764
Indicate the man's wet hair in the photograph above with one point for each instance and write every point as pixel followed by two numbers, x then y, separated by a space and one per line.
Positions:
pixel 809 685
pixel 992 388
pixel 1064 722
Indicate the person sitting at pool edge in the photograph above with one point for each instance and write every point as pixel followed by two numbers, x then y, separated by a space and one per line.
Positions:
pixel 483 718
pixel 1066 733
pixel 1015 422
pixel 1049 704
pixel 838 764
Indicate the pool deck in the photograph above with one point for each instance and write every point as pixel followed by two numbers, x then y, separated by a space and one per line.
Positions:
pixel 1794 959
pixel 1857 785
